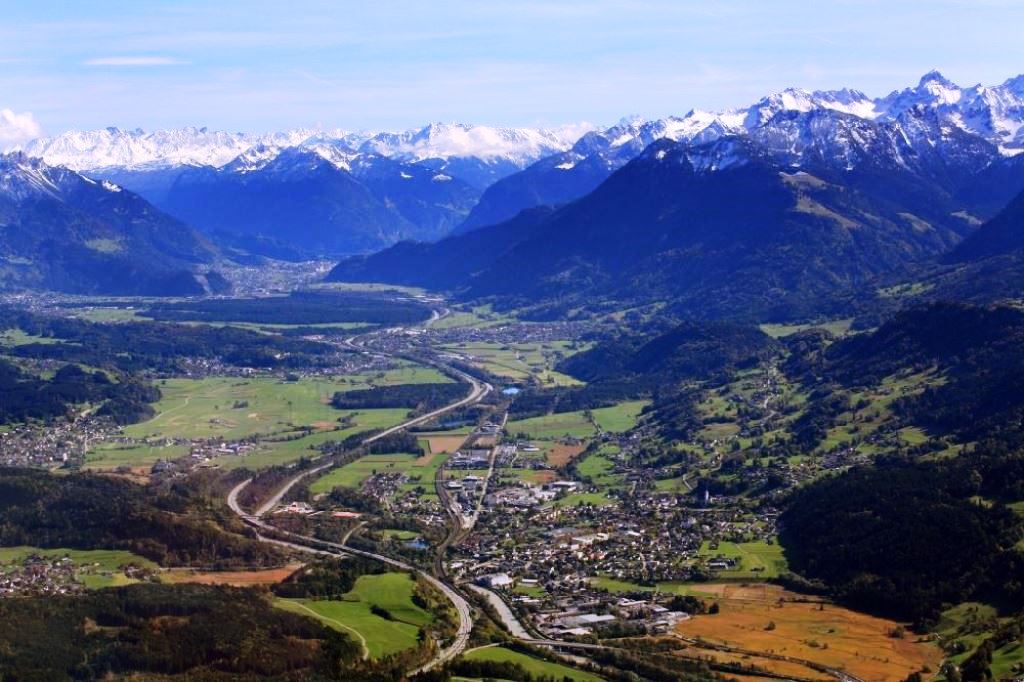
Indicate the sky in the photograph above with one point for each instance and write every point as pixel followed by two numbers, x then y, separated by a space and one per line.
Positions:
pixel 258 66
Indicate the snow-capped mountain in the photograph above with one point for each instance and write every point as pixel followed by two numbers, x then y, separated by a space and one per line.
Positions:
pixel 136 149
pixel 63 231
pixel 316 199
pixel 935 121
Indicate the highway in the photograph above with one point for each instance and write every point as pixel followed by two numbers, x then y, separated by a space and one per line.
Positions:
pixel 305 543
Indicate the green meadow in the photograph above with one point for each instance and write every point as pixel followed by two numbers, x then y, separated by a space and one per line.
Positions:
pixel 353 613
pixel 537 667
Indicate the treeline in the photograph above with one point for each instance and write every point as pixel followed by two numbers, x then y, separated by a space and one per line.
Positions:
pixel 196 631
pixel 136 346
pixel 904 539
pixel 707 351
pixel 86 511
pixel 326 578
pixel 421 397
pixel 300 307
pixel 26 397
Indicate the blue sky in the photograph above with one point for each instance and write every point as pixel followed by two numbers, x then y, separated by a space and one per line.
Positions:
pixel 260 66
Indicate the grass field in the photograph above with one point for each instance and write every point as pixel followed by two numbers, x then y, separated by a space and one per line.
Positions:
pixel 420 470
pixel 574 499
pixel 353 615
pixel 535 666
pixel 112 455
pixel 757 559
pixel 522 361
pixel 621 417
pixel 824 633
pixel 553 426
pixel 354 473
pixel 598 467
pixel 835 327
pixel 235 408
pixel 96 568
pixel 16 337
pixel 620 586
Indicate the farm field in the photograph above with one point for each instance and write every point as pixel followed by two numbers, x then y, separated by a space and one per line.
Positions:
pixel 835 327
pixel 521 361
pixel 598 467
pixel 232 408
pixel 420 470
pixel 236 408
pixel 96 568
pixel 621 417
pixel 537 667
pixel 352 614
pixel 105 456
pixel 268 576
pixel 442 442
pixel 560 454
pixel 553 426
pixel 757 559
pixel 574 499
pixel 809 630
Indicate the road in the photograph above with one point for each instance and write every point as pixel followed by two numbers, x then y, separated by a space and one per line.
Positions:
pixel 508 619
pixel 305 543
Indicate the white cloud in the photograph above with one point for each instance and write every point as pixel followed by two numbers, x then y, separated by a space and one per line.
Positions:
pixel 17 129
pixel 134 61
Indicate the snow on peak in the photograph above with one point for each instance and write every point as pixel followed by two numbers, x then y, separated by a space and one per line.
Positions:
pixel 24 176
pixel 520 146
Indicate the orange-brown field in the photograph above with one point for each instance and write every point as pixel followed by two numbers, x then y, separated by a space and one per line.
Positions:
pixel 561 454
pixel 268 576
pixel 449 444
pixel 824 633
pixel 538 476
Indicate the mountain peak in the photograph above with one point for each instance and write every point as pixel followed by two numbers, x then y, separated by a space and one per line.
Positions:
pixel 935 77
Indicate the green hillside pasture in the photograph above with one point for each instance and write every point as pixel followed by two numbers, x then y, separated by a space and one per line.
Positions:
pixel 352 614
pixel 553 426
pixel 621 417
pixel 535 666
pixel 599 466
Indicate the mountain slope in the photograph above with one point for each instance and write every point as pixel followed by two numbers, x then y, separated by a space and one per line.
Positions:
pixel 1000 236
pixel 62 231
pixel 727 227
pixel 935 115
pixel 325 199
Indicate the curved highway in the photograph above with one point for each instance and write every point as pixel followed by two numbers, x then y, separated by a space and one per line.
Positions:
pixel 305 543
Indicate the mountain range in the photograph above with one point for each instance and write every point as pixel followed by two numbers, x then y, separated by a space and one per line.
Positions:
pixel 764 212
